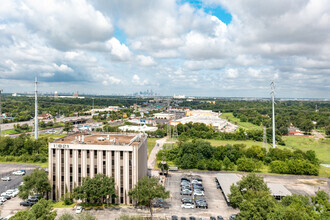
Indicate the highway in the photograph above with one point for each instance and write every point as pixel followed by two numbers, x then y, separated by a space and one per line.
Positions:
pixel 8 126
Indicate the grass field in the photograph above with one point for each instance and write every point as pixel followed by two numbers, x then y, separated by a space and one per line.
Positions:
pixel 151 144
pixel 246 125
pixel 62 205
pixel 44 165
pixel 248 143
pixel 320 146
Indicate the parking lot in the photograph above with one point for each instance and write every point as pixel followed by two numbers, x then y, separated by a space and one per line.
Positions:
pixel 11 206
pixel 213 196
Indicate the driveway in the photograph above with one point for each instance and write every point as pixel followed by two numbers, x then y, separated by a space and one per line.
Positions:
pixel 152 157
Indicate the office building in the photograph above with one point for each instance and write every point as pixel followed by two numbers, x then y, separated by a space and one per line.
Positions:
pixel 122 156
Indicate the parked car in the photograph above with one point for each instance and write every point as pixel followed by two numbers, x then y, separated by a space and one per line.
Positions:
pixel 6 196
pixel 198 193
pixel 186 192
pixel 196 181
pixel 187 206
pixel 219 217
pixel 26 203
pixel 212 218
pixel 186 200
pixel 6 178
pixel 185 179
pixel 233 216
pixel 174 217
pixel 183 218
pixel 19 173
pixel 202 204
pixel 79 209
pixel 2 199
pixel 192 218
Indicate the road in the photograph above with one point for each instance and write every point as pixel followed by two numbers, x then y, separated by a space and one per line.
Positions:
pixel 8 126
pixel 152 157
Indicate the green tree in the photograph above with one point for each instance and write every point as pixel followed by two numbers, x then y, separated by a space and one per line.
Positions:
pixel 42 210
pixel 252 197
pixel 66 216
pixel 96 190
pixel 68 126
pixel 146 190
pixel 36 182
pixel 226 163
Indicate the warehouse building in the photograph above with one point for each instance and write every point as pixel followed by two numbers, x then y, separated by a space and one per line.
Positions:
pixel 122 156
pixel 226 180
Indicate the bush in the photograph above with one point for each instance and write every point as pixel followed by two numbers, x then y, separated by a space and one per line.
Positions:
pixel 246 164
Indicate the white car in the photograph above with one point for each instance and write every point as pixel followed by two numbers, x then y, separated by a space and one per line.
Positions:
pixel 198 193
pixel 18 173
pixel 6 178
pixel 3 199
pixel 79 209
pixel 187 206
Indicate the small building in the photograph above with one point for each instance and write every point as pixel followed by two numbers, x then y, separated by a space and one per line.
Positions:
pixel 166 116
pixel 278 190
pixel 45 116
pixel 143 128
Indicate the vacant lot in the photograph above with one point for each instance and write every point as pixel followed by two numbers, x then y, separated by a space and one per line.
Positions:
pixel 320 146
pixel 246 125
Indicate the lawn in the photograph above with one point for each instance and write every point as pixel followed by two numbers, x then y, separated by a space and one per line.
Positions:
pixel 62 205
pixel 246 125
pixel 151 144
pixel 44 165
pixel 320 146
pixel 248 143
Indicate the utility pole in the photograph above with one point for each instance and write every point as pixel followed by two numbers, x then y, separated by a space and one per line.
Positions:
pixel 36 108
pixel 272 85
pixel 0 113
pixel 265 139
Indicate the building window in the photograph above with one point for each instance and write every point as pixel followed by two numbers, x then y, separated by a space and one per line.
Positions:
pixel 70 153
pixel 79 169
pixel 79 154
pixel 87 170
pixel 95 154
pixel 87 154
pixel 121 155
pixel 95 169
pixel 71 169
pixel 104 154
pixel 54 152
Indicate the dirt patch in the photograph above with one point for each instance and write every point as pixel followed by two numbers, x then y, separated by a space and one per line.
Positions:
pixel 313 182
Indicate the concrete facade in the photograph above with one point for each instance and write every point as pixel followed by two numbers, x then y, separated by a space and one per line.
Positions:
pixel 122 156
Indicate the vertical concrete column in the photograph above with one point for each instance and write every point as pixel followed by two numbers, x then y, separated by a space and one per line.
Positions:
pixel 75 167
pixel 58 172
pixel 50 165
pixel 83 163
pixel 91 156
pixel 99 161
pixel 126 175
pixel 108 163
pixel 67 170
pixel 117 174
pixel 135 168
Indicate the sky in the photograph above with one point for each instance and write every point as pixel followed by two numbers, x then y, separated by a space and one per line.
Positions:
pixel 220 48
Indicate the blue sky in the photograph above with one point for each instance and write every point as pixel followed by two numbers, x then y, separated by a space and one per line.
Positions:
pixel 196 48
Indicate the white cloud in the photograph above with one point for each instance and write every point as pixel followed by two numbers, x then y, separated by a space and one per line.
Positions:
pixel 232 73
pixel 47 74
pixel 118 51
pixel 146 60
pixel 136 80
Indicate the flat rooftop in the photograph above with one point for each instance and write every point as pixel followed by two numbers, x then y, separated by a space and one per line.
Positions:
pixel 131 139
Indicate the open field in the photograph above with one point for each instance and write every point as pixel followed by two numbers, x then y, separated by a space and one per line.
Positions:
pixel 151 144
pixel 246 125
pixel 320 146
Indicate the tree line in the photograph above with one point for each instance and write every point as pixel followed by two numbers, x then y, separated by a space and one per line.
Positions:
pixel 24 148
pixel 200 130
pixel 199 154
pixel 300 114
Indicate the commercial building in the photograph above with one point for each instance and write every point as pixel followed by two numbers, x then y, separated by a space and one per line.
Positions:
pixel 122 156
pixel 143 128
pixel 226 180
pixel 166 116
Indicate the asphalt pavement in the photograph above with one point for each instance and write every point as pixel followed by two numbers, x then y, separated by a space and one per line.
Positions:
pixel 7 169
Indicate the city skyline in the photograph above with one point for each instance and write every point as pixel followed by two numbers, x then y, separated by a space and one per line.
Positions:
pixel 214 48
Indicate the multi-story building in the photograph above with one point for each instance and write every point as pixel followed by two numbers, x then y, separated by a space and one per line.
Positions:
pixel 122 156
